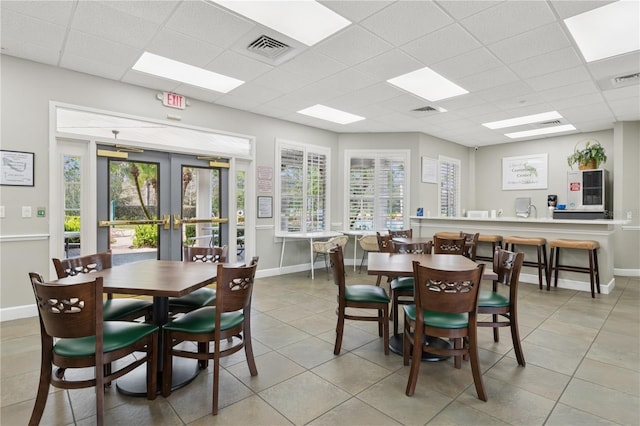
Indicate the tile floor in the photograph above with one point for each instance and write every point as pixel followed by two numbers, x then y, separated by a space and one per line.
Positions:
pixel 583 368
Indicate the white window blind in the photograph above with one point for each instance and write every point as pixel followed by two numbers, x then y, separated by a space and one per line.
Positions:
pixel 303 188
pixel 449 186
pixel 378 189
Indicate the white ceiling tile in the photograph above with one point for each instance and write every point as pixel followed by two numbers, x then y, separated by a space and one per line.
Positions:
pixel 626 109
pixel 532 43
pixel 487 79
pixel 585 112
pixel 512 90
pixel 313 65
pixel 58 12
pixel 183 48
pixel 560 78
pixel 566 9
pixel 616 66
pixel 238 66
pixel 254 93
pixel 192 92
pixel 508 19
pixel 355 11
pixel 149 10
pixel 547 63
pixel 279 79
pixel 100 68
pixel 110 24
pixel 22 30
pixel 577 89
pixel 622 93
pixel 353 45
pixel 467 64
pixel 31 52
pixel 98 49
pixel 404 21
pixel 445 43
pixel 152 82
pixel 460 9
pixel 576 101
pixel 347 81
pixel 388 65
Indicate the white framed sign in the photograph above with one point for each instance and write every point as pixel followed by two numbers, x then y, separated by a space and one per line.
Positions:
pixel 429 170
pixel 17 168
pixel 525 172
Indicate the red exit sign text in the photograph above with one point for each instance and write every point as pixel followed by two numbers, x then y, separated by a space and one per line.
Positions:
pixel 173 100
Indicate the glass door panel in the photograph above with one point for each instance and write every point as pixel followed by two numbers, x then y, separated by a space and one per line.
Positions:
pixel 201 204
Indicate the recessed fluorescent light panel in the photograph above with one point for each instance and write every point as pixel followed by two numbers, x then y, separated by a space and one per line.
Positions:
pixel 527 119
pixel 304 20
pixel 537 132
pixel 330 114
pixel 427 84
pixel 607 31
pixel 184 73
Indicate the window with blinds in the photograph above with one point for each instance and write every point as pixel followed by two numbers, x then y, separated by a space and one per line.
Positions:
pixel 378 189
pixel 302 188
pixel 449 186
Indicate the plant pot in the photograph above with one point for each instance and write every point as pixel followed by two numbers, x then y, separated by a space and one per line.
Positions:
pixel 591 164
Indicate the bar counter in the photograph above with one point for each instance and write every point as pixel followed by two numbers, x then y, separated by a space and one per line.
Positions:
pixel 602 231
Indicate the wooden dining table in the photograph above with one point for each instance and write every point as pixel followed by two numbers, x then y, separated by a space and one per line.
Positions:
pixel 401 265
pixel 160 279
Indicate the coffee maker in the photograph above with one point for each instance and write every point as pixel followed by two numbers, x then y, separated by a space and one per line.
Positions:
pixel 552 202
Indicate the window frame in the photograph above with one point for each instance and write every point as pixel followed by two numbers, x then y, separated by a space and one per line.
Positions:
pixel 376 155
pixel 457 164
pixel 307 149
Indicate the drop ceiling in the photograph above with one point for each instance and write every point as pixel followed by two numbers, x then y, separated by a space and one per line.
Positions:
pixel 515 58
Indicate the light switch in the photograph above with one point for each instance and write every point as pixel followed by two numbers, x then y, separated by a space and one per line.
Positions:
pixel 26 211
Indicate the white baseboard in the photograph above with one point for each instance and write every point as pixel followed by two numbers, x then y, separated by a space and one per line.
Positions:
pixel 569 284
pixel 18 312
pixel 626 272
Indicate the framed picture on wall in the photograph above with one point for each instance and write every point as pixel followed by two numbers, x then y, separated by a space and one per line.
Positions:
pixel 16 168
pixel 265 207
pixel 525 172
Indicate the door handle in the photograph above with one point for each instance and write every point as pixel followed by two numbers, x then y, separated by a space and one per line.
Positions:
pixel 165 222
pixel 178 221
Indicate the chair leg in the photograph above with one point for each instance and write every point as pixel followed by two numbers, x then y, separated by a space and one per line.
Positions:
pixel 99 388
pixel 167 365
pixel 326 266
pixel 385 329
pixel 555 280
pixel 416 359
pixel 339 331
pixel 203 348
pixel 216 378
pixel 364 254
pixel 595 261
pixel 540 267
pixel 457 359
pixel 592 275
pixel 43 385
pixel 248 346
pixel 394 308
pixel 546 265
pixel 515 337
pixel 496 330
pixel 152 367
pixel 475 363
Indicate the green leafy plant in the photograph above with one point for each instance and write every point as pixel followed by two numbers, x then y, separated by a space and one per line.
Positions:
pixel 591 152
pixel 145 236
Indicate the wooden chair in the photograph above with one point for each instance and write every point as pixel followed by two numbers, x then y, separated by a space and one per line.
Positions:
pixel 402 287
pixel 229 318
pixel 385 245
pixel 403 233
pixel 446 307
pixel 324 247
pixel 74 335
pixel 448 245
pixel 122 309
pixel 507 266
pixel 470 244
pixel 204 296
pixel 359 296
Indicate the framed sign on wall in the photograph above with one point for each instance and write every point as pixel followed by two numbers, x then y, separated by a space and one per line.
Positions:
pixel 17 168
pixel 525 172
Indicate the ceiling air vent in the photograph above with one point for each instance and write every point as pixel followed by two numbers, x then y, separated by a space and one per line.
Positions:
pixel 550 123
pixel 627 78
pixel 425 109
pixel 268 47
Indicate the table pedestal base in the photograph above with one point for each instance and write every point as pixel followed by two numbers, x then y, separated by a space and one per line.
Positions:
pixel 135 383
pixel 396 346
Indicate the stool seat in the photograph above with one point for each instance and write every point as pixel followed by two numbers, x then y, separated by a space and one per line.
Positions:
pixel 592 249
pixel 487 238
pixel 525 241
pixel 448 235
pixel 575 244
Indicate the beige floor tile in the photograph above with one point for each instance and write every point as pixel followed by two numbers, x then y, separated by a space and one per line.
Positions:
pixel 353 412
pixel 316 324
pixel 457 414
pixel 352 337
pixel 273 368
pixel 569 343
pixel 351 373
pixel 564 415
pixel 610 376
pixel 616 349
pixel 613 405
pixel 280 336
pixel 532 378
pixel 309 352
pixel 56 413
pixel 561 362
pixel 250 411
pixel 304 397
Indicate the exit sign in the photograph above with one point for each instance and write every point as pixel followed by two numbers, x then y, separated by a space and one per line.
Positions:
pixel 173 100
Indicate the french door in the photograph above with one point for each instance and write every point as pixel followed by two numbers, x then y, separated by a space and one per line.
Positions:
pixel 151 203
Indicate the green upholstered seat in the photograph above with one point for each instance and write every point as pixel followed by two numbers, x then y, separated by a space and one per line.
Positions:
pixel 201 297
pixel 115 309
pixel 203 320
pixel 365 293
pixel 117 335
pixel 439 319
pixel 402 284
pixel 492 299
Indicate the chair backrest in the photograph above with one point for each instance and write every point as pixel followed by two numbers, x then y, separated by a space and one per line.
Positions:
pixel 336 260
pixel 340 240
pixel 446 291
pixel 69 311
pixel 403 233
pixel 369 243
pixel 507 266
pixel 234 287
pixel 471 244
pixel 411 248
pixel 205 254
pixel 82 265
pixel 448 245
pixel 254 260
pixel 385 245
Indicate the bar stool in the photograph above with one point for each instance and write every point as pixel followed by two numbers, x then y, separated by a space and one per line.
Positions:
pixel 541 246
pixel 495 240
pixel 589 245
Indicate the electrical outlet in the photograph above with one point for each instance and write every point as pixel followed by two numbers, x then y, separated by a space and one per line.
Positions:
pixel 26 211
pixel 500 211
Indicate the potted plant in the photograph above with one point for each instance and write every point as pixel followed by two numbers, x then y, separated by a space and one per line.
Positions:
pixel 590 157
